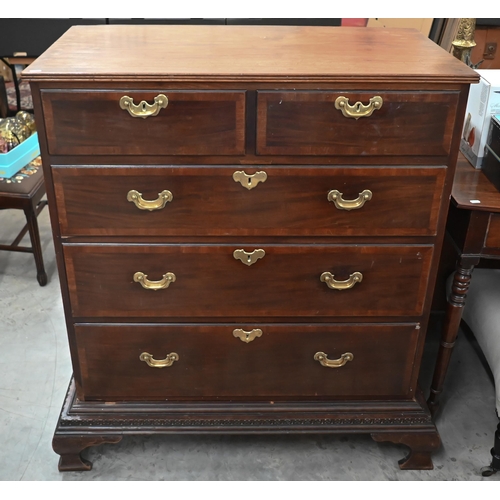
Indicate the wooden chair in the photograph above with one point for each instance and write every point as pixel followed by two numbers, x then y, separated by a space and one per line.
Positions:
pixel 482 315
pixel 27 196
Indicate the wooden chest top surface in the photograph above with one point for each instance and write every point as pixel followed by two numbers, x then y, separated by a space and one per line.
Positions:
pixel 278 53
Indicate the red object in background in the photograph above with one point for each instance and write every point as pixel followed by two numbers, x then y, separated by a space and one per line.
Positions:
pixel 354 22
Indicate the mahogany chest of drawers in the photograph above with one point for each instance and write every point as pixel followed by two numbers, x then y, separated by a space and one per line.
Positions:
pixel 248 223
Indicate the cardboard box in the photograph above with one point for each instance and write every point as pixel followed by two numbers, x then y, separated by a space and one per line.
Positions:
pixel 484 101
pixel 19 157
pixel 491 162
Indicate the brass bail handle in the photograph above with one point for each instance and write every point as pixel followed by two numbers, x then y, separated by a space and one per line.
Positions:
pixel 249 258
pixel 143 109
pixel 159 363
pixel 136 198
pixel 249 181
pixel 154 285
pixel 337 198
pixel 332 283
pixel 333 363
pixel 358 110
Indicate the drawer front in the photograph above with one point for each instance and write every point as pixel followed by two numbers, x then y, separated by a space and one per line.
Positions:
pixel 493 236
pixel 84 122
pixel 213 363
pixel 290 201
pixel 266 281
pixel 308 123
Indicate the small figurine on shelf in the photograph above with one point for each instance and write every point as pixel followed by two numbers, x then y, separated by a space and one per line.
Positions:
pixel 15 130
pixel 464 42
pixel 3 145
pixel 26 119
pixel 7 134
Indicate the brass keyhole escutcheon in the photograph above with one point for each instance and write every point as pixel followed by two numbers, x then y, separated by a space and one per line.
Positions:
pixel 249 181
pixel 247 336
pixel 249 258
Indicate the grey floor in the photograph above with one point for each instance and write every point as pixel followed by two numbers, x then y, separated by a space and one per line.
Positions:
pixel 35 371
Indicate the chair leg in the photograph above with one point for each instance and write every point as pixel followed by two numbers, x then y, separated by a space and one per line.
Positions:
pixel 31 219
pixel 495 454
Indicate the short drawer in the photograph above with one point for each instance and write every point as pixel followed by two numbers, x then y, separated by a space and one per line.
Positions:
pixel 382 124
pixel 246 281
pixel 284 201
pixel 86 122
pixel 212 362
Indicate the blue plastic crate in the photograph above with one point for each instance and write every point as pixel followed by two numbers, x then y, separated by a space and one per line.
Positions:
pixel 19 157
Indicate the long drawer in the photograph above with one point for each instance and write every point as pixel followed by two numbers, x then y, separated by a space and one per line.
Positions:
pixel 165 362
pixel 251 281
pixel 86 122
pixel 282 201
pixel 380 123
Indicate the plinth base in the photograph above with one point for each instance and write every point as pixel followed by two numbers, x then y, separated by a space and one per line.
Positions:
pixel 84 424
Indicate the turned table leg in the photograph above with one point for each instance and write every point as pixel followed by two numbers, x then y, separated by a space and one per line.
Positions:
pixel 70 448
pixel 421 445
pixel 456 302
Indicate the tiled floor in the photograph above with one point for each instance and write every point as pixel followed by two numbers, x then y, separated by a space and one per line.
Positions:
pixel 35 371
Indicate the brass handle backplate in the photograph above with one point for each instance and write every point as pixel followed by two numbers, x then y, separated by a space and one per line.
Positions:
pixel 159 363
pixel 249 258
pixel 333 363
pixel 332 283
pixel 144 109
pixel 358 110
pixel 136 198
pixel 154 285
pixel 341 204
pixel 249 181
pixel 247 336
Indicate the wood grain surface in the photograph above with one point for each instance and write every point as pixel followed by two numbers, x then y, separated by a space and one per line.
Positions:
pixel 291 202
pixel 213 364
pixel 248 52
pixel 210 282
pixel 472 190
